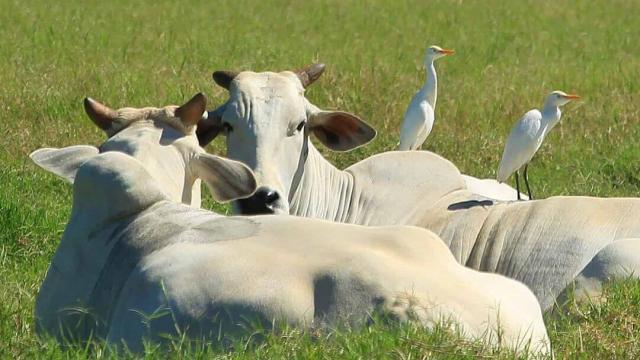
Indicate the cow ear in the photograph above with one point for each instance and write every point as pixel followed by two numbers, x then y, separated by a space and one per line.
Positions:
pixel 63 162
pixel 192 111
pixel 340 131
pixel 226 179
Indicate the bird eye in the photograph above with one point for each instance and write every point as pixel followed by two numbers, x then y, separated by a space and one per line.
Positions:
pixel 301 125
pixel 227 127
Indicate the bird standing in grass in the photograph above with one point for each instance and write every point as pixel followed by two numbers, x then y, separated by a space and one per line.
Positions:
pixel 418 119
pixel 527 136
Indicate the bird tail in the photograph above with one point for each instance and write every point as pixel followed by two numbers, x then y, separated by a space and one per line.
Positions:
pixel 403 146
pixel 502 175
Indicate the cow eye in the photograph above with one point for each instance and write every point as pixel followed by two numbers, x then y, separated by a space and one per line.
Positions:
pixel 301 125
pixel 227 127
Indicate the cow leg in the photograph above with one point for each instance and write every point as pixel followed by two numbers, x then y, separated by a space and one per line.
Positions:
pixel 618 260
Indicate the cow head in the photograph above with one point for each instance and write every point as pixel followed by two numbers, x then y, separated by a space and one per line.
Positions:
pixel 267 122
pixel 164 142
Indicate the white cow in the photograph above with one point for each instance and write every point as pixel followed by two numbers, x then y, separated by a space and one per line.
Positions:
pixel 491 189
pixel 546 244
pixel 134 263
pixel 162 141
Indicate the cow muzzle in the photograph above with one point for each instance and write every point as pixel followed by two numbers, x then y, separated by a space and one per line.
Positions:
pixel 264 201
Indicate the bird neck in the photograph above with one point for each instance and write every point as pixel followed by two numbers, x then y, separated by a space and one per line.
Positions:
pixel 550 116
pixel 430 88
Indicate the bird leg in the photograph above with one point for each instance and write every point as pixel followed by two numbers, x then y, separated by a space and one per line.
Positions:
pixel 518 185
pixel 526 182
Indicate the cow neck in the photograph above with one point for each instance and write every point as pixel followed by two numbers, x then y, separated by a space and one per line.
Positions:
pixel 110 188
pixel 322 191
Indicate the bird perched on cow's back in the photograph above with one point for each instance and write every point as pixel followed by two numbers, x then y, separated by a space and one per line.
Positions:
pixel 527 135
pixel 419 117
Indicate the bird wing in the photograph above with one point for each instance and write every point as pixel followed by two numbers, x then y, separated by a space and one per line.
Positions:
pixel 521 144
pixel 417 124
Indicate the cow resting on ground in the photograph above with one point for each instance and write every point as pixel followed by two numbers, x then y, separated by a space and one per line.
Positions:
pixel 546 244
pixel 134 263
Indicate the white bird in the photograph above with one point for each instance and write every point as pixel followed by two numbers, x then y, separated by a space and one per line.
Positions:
pixel 418 119
pixel 527 135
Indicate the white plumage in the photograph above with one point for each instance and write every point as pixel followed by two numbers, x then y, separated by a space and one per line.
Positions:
pixel 523 142
pixel 419 117
pixel 527 136
pixel 417 124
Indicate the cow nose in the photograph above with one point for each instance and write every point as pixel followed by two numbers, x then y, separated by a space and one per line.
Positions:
pixel 261 202
pixel 270 196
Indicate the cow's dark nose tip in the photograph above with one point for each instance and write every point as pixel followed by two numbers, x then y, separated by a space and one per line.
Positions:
pixel 270 196
pixel 261 202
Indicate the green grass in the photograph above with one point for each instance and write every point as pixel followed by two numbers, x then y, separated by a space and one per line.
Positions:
pixel 510 54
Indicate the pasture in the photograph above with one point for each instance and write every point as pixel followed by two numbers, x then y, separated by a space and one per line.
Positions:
pixel 509 56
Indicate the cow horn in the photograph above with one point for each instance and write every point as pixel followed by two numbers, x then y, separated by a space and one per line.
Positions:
pixel 100 114
pixel 192 111
pixel 224 77
pixel 309 74
pixel 210 127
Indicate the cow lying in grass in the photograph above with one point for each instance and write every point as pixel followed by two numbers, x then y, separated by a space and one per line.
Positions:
pixel 546 244
pixel 134 262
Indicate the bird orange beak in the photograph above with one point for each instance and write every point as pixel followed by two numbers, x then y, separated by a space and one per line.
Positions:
pixel 572 97
pixel 447 51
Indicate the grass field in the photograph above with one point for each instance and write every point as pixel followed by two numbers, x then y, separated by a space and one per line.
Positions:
pixel 510 54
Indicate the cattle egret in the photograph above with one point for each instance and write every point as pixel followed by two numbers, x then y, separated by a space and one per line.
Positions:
pixel 527 136
pixel 418 119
